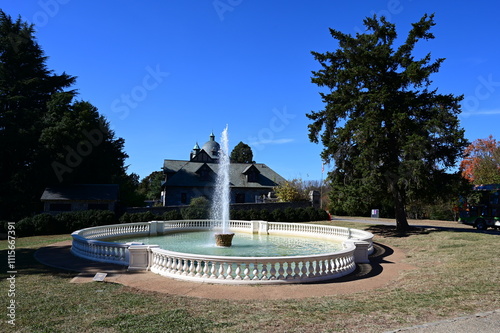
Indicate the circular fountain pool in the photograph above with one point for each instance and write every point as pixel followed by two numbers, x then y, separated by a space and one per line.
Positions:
pixel 244 244
pixel 246 267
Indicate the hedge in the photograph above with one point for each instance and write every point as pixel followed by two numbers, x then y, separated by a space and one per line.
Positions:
pixel 46 224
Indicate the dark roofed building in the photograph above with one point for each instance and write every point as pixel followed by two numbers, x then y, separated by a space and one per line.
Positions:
pixel 185 180
pixel 65 198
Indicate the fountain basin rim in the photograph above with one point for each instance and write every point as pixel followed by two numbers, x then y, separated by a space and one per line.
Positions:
pixel 89 243
pixel 188 255
pixel 346 247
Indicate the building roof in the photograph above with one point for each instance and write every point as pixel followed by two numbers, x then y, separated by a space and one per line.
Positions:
pixel 92 192
pixel 185 174
pixel 212 147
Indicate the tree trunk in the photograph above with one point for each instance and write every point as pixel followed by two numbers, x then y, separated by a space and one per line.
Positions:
pixel 401 221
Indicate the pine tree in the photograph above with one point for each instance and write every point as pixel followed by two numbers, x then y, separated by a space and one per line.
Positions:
pixel 242 153
pixel 390 135
pixel 46 137
pixel 26 86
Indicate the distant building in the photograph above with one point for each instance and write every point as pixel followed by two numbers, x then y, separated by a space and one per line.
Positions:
pixel 187 179
pixel 67 198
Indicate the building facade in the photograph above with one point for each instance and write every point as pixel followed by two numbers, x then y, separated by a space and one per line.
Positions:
pixel 77 197
pixel 188 179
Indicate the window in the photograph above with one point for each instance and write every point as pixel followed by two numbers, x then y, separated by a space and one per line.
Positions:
pixel 252 177
pixel 66 207
pixel 240 197
pixel 98 206
pixel 184 198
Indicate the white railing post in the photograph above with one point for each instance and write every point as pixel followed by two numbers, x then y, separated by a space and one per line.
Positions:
pixel 153 228
pixel 361 251
pixel 263 227
pixel 139 257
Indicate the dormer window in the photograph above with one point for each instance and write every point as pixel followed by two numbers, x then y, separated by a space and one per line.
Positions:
pixel 252 177
pixel 252 174
pixel 204 172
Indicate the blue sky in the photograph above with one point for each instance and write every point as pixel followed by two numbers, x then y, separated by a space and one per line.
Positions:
pixel 168 73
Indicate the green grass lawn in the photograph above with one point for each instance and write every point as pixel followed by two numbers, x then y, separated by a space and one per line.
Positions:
pixel 456 273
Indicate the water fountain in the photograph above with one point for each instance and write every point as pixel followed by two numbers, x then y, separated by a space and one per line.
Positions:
pixel 221 197
pixel 228 263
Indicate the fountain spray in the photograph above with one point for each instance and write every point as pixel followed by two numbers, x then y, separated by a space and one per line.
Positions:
pixel 221 198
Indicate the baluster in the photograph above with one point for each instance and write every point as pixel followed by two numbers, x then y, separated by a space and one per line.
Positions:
pixel 246 272
pixel 255 271
pixel 264 272
pixel 213 270
pixel 324 270
pixel 221 271
pixel 198 268
pixel 178 268
pixel 157 259
pixel 237 272
pixel 229 271
pixel 329 266
pixel 304 270
pixel 169 264
pixel 205 269
pixel 280 271
pixel 289 271
pixel 185 267
pixel 311 269
pixel 273 271
pixel 296 270
pixel 192 268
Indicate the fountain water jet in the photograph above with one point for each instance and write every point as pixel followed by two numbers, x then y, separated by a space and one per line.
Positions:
pixel 221 197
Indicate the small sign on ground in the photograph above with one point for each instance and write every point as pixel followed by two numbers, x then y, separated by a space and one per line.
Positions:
pixel 100 277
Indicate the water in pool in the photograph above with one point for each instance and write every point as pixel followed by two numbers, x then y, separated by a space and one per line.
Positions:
pixel 244 245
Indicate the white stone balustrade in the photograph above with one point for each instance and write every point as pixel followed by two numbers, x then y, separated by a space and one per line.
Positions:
pixel 252 270
pixel 357 245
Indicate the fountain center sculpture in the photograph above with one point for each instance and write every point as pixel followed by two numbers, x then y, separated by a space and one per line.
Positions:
pixel 221 197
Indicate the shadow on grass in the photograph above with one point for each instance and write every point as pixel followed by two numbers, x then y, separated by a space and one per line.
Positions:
pixel 391 231
pixel 55 260
pixel 366 271
pixel 24 263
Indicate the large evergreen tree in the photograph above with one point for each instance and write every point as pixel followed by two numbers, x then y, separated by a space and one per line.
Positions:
pixel 242 153
pixel 391 136
pixel 26 86
pixel 46 137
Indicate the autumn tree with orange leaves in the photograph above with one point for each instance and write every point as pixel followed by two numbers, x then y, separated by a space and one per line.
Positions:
pixel 481 164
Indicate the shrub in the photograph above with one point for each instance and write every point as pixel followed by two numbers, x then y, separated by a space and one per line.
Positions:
pixel 172 215
pixel 139 217
pixel 43 224
pixel 24 227
pixel 290 215
pixel 197 209
pixel 3 226
pixel 237 214
pixel 69 222
pixel 264 215
pixel 125 218
pixel 278 215
pixel 72 221
pixel 253 214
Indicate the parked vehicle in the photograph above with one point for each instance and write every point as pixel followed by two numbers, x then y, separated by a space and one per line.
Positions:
pixel 484 212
